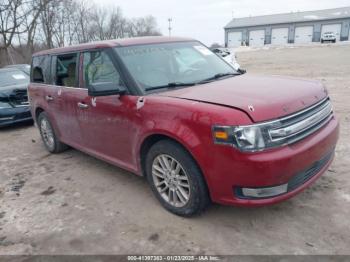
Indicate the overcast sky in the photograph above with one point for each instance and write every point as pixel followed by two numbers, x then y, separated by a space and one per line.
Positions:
pixel 205 19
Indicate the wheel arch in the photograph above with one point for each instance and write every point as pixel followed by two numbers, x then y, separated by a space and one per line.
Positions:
pixel 152 139
pixel 38 111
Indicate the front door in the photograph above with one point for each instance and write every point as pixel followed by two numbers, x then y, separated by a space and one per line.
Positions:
pixel 107 122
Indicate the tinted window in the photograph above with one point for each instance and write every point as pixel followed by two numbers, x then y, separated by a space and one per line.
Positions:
pixel 41 69
pixel 99 71
pixel 66 70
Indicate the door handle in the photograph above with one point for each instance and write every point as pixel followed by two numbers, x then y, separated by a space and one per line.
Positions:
pixel 83 105
pixel 48 98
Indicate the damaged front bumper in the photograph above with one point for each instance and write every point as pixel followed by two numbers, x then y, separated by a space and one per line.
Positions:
pixel 9 116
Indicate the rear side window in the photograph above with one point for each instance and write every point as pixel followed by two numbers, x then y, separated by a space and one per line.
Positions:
pixel 40 71
pixel 66 72
pixel 99 71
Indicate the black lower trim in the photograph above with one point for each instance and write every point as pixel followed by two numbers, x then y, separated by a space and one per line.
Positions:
pixel 14 115
pixel 307 174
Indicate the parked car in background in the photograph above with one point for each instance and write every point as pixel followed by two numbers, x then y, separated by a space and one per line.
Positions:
pixel 14 105
pixel 328 37
pixel 23 67
pixel 229 56
pixel 173 111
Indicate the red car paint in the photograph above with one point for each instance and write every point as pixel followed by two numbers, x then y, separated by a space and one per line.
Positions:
pixel 114 128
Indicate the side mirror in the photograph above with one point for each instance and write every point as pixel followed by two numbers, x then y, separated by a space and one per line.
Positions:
pixel 105 89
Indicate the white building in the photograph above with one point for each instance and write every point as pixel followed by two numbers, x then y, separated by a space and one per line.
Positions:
pixel 279 29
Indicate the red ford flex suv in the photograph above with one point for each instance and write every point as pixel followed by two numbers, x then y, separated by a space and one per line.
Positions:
pixel 173 111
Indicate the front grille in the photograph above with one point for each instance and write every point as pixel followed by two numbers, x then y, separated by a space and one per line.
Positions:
pixel 297 126
pixel 307 174
pixel 19 98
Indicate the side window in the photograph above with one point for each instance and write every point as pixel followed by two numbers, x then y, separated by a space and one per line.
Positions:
pixel 99 72
pixel 41 69
pixel 66 70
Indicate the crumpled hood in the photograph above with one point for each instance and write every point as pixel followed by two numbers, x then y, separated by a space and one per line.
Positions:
pixel 8 91
pixel 261 97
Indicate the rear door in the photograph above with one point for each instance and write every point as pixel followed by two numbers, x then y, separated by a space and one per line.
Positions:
pixel 107 122
pixel 67 96
pixel 41 92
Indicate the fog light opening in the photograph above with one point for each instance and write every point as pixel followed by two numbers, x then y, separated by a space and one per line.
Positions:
pixel 265 191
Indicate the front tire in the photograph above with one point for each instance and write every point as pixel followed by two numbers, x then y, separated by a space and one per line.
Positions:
pixel 51 142
pixel 175 179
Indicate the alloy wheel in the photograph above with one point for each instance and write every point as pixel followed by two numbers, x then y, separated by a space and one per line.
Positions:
pixel 171 180
pixel 47 133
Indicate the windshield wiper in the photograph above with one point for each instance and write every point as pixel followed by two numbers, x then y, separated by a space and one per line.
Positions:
pixel 215 77
pixel 170 85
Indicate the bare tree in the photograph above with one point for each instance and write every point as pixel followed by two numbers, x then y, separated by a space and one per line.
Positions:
pixel 116 24
pixel 26 41
pixel 49 16
pixel 12 17
pixel 29 25
pixel 83 11
pixel 143 26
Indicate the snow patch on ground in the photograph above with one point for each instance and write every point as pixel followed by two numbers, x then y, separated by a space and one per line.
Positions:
pixel 345 196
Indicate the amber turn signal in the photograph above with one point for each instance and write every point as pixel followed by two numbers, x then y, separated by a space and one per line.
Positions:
pixel 221 135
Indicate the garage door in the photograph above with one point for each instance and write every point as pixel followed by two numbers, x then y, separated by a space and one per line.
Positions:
pixel 234 39
pixel 279 36
pixel 335 28
pixel 257 38
pixel 303 34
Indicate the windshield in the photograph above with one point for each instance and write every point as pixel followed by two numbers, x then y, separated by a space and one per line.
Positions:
pixel 172 64
pixel 12 77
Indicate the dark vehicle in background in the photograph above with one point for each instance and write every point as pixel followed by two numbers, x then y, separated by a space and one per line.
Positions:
pixel 25 68
pixel 14 105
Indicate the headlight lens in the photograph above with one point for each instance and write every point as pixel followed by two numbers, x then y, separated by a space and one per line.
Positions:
pixel 4 105
pixel 246 138
pixel 249 138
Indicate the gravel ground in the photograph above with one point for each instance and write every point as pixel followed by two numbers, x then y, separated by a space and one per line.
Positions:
pixel 72 203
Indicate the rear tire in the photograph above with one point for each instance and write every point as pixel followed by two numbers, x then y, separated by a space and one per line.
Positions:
pixel 48 135
pixel 175 179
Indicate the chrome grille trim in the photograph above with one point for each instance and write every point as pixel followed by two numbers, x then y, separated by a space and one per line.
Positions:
pixel 302 124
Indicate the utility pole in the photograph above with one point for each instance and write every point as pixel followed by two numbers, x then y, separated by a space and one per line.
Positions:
pixel 170 20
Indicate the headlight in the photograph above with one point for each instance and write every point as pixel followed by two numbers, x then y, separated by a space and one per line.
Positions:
pixel 247 138
pixel 4 105
pixel 275 133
